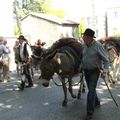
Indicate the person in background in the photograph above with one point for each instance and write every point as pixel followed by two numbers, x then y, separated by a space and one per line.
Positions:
pixel 6 62
pixel 16 56
pixel 39 43
pixel 3 51
pixel 94 57
pixel 25 60
pixel 15 49
pixel 37 49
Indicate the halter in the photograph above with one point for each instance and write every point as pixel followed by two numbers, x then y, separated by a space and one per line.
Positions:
pixel 76 84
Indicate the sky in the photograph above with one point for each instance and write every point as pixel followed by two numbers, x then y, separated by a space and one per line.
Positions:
pixel 6 20
pixel 79 8
pixel 70 6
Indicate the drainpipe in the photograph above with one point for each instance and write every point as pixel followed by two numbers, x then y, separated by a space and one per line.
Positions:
pixel 106 24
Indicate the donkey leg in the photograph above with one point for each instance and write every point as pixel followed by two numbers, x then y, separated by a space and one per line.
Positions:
pixel 71 89
pixel 64 103
pixel 17 68
pixel 82 87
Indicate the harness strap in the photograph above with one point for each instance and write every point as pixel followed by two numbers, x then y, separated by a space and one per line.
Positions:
pixel 69 55
pixel 73 53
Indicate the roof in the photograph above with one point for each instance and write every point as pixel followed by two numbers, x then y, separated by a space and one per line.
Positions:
pixel 52 18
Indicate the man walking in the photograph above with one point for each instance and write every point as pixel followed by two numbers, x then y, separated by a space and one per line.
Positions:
pixel 94 57
pixel 25 60
pixel 3 51
pixel 6 62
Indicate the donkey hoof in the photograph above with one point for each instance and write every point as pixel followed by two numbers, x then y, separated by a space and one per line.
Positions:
pixel 83 91
pixel 74 96
pixel 64 103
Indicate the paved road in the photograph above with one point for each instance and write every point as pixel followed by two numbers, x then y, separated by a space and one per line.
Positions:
pixel 40 103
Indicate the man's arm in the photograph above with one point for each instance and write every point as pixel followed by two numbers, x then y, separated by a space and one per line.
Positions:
pixel 5 50
pixel 105 60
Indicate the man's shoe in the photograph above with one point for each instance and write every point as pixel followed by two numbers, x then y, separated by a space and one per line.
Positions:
pixel 88 116
pixel 21 88
pixel 22 85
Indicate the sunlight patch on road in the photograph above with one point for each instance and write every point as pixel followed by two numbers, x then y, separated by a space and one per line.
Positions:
pixel 46 104
pixel 76 87
pixel 106 100
pixel 5 106
pixel 20 107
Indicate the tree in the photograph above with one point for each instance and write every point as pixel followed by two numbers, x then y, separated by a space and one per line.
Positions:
pixel 81 28
pixel 24 7
pixel 18 25
pixel 40 6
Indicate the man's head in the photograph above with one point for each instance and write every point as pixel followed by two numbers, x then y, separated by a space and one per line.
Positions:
pixel 89 32
pixel 1 39
pixel 21 39
pixel 5 42
pixel 88 36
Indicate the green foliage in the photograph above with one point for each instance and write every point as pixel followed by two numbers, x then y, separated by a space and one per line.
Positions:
pixel 21 9
pixel 16 30
pixel 39 6
pixel 59 13
pixel 81 28
pixel 45 6
pixel 42 6
pixel 36 7
pixel 23 12
pixel 117 34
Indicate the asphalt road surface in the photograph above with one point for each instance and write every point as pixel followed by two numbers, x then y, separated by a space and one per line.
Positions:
pixel 40 103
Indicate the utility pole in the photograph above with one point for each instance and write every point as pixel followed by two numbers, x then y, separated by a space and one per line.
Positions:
pixel 93 17
pixel 106 24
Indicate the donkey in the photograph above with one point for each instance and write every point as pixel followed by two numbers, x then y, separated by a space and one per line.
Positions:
pixel 63 64
pixel 112 46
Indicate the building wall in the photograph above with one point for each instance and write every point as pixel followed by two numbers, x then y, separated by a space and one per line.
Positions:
pixel 107 23
pixel 35 28
pixel 99 25
pixel 113 16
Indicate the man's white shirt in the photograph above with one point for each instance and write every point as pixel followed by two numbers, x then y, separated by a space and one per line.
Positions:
pixel 22 50
pixel 3 50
